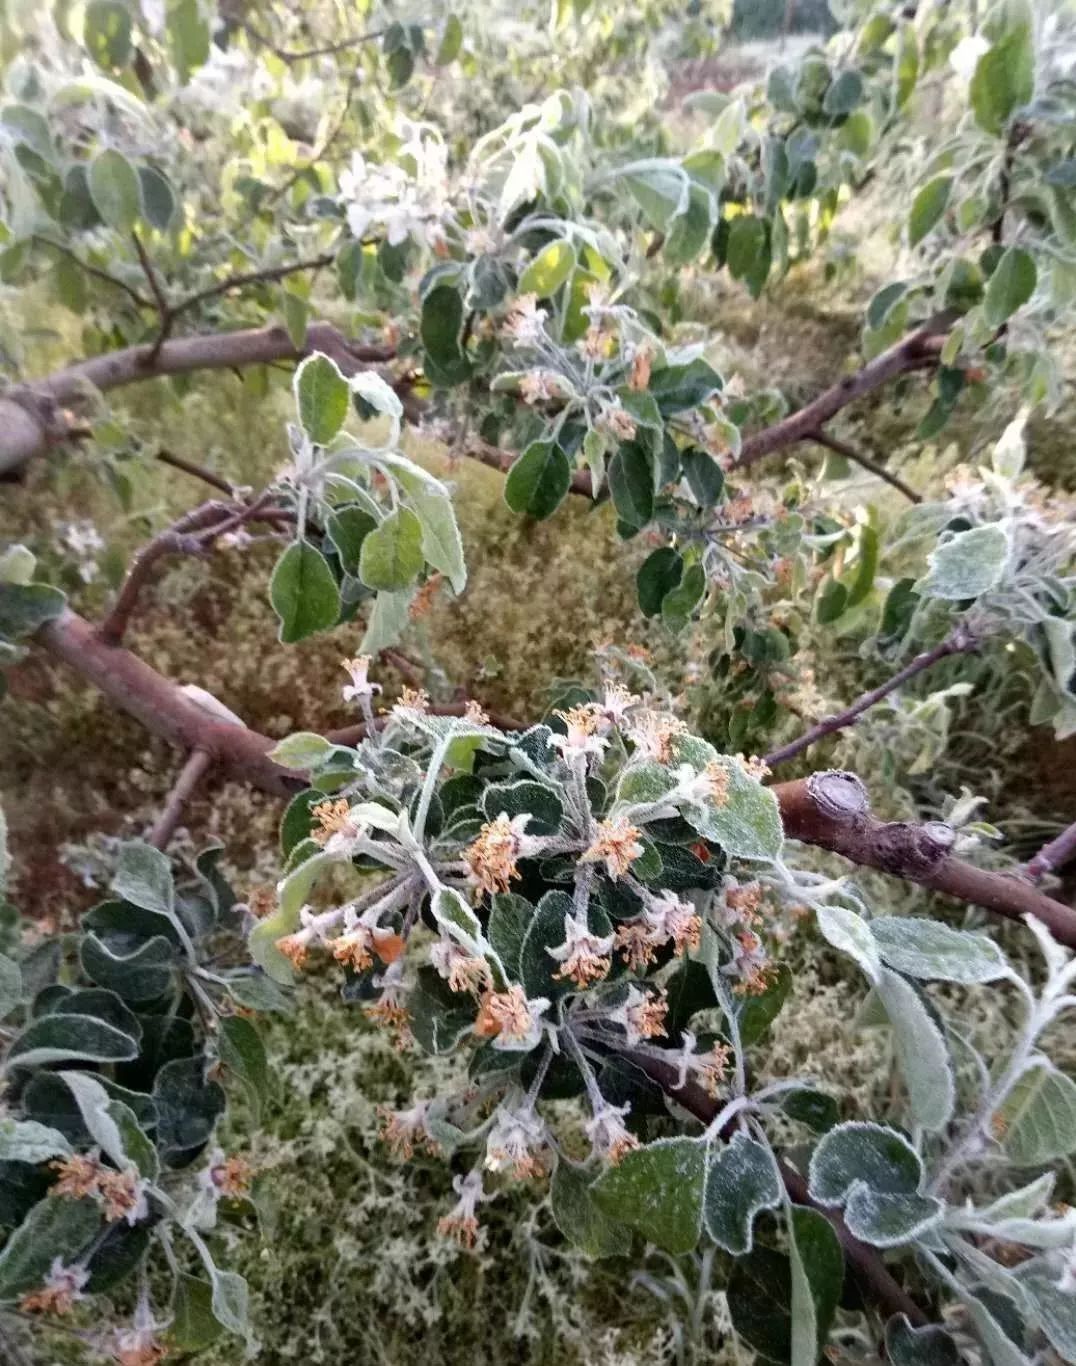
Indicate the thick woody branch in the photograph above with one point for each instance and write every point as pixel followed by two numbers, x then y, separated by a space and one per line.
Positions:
pixel 872 1275
pixel 832 810
pixel 32 415
pixel 193 771
pixel 918 351
pixel 958 641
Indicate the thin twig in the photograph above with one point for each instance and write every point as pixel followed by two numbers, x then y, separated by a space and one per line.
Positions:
pixel 957 642
pixel 198 471
pixel 328 50
pixel 160 300
pixel 251 277
pixel 320 152
pixel 1054 855
pixel 102 275
pixel 839 447
pixel 190 775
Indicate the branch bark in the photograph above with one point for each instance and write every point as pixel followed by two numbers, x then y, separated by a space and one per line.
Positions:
pixel 865 1263
pixel 918 351
pixel 957 642
pixel 32 418
pixel 832 811
pixel 1056 854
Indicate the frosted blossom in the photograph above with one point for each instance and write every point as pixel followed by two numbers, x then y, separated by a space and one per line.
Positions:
pixel 608 1134
pixel 584 957
pixel 491 859
pixel 515 1142
pixel 360 687
pixel 513 1022
pixel 582 736
pixel 641 1015
pixel 616 845
pixel 670 918
pixel 462 970
pixel 526 321
pixel 461 1222
pixel 63 1285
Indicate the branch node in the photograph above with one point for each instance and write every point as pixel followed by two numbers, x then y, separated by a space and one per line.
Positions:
pixel 840 796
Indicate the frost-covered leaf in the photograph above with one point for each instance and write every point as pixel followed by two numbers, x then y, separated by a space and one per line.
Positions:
pixel 538 481
pixel 538 800
pixel 937 952
pixel 929 1346
pixel 747 824
pixel 658 1189
pixel 242 1050
pixel 53 1228
pixel 1037 1121
pixel 967 564
pixel 741 1181
pixel 441 543
pixel 549 270
pixel 135 969
pixel 927 208
pixel 1056 1311
pixel 387 621
pixel 25 1140
pixel 850 933
pixel 580 1219
pixel 10 983
pixel 439 1016
pixel 875 1173
pixel 921 1051
pixel 1011 285
pixel 304 749
pixel 24 608
pixel 392 553
pixel 71 1038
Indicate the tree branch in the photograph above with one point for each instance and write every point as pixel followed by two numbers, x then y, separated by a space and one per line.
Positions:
pixel 198 471
pixel 829 809
pixel 865 1263
pixel 133 294
pixel 164 312
pixel 832 810
pixel 190 775
pixel 1054 855
pixel 328 50
pixel 251 277
pixel 851 453
pixel 959 641
pixel 31 416
pixel 918 351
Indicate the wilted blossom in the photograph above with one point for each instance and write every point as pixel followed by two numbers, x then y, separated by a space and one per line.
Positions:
pixel 584 957
pixel 616 845
pixel 63 1285
pixel 515 1142
pixel 492 858
pixel 608 1134
pixel 670 918
pixel 582 738
pixel 513 1022
pixel 461 969
pixel 641 1015
pixel 526 321
pixel 402 1130
pixel 339 831
pixel 461 1222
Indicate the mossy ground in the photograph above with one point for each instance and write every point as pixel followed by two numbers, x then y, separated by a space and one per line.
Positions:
pixel 350 1270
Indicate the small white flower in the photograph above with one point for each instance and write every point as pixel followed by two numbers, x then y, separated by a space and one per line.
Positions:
pixel 584 957
pixel 514 1142
pixel 607 1132
pixel 360 686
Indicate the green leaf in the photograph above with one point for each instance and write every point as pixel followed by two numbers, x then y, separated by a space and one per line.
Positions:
pixel 549 270
pixel 759 1298
pixel 929 1346
pixel 757 1012
pixel 967 564
pixel 188 1107
pixel 71 1038
pixel 1056 1311
pixel 631 484
pixel 392 555
pixel 817 1280
pixel 509 918
pixel 296 311
pixel 387 622
pixel 679 387
pixel 106 31
pixel 144 877
pixel 158 200
pixel 135 969
pixel 451 41
pixel 194 1325
pixel 441 330
pixel 439 1016
pixel 347 528
pixel 25 607
pixel 1010 286
pixel 705 477
pixel 188 36
pixel 843 94
pixel 114 188
pixel 304 749
pixel 303 592
pixel 25 1140
pixel 1004 79
pixel 937 952
pixel 242 1050
pixel 921 1051
pixel 538 481
pixel 680 602
pixel 658 1189
pixel 1037 1120
pixel 546 931
pixel 747 246
pixel 53 1228
pixel 659 192
pixel 322 397
pixel 741 1181
pixel 10 972
pixel 580 1219
pixel 927 208
pixel 441 543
